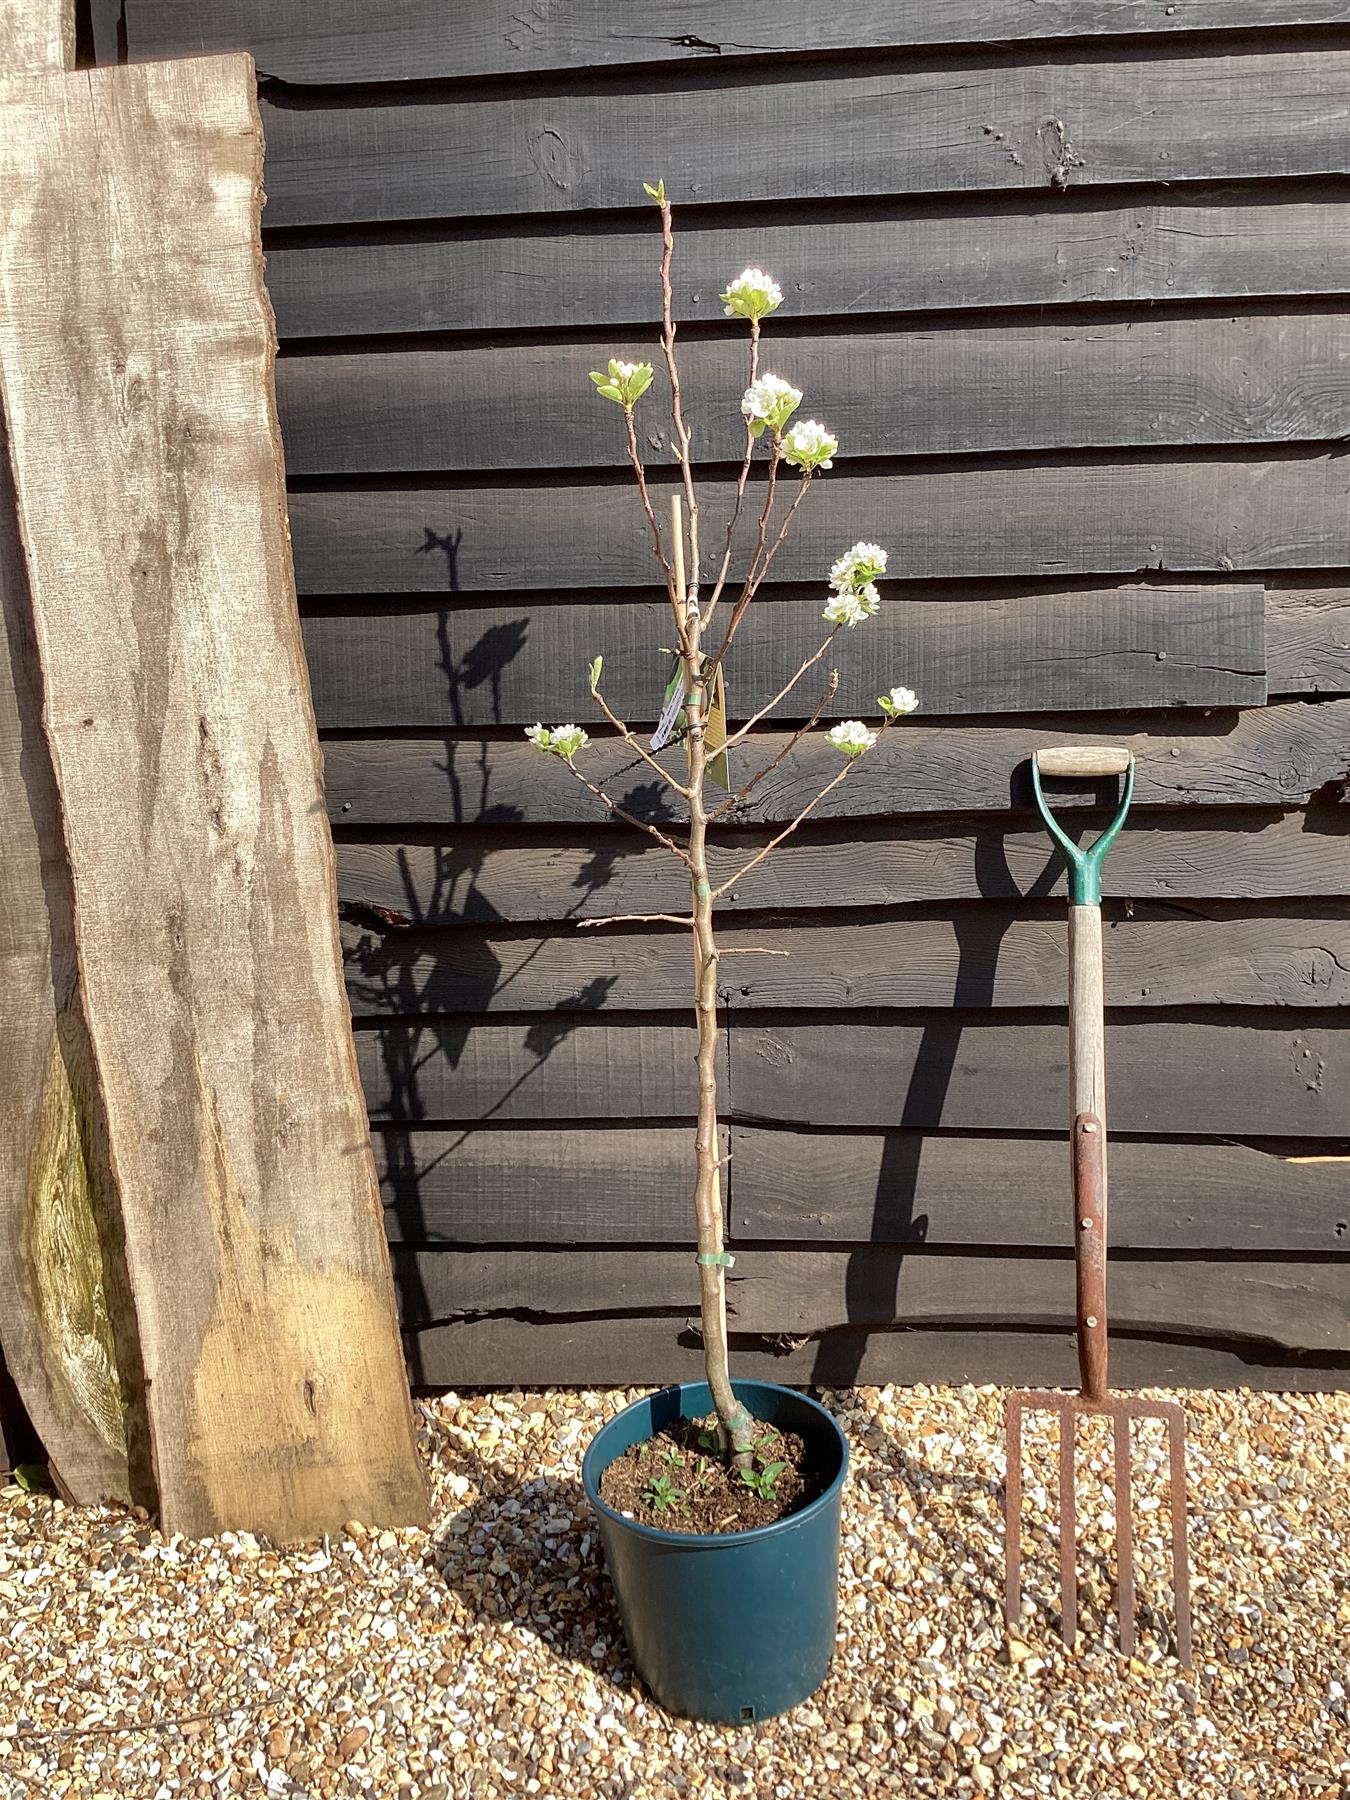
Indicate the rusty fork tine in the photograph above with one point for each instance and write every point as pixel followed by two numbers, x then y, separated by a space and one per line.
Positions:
pixel 1068 1529
pixel 1012 1514
pixel 1124 1534
pixel 1181 1574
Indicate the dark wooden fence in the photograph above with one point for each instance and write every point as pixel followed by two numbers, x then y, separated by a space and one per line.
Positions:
pixel 1070 280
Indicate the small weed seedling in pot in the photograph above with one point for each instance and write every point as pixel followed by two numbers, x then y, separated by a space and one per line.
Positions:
pixel 661 1493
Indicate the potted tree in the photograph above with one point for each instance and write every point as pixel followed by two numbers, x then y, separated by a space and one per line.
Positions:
pixel 719 1500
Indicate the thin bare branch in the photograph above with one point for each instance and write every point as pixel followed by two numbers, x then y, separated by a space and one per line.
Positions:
pixel 787 832
pixel 720 583
pixel 735 799
pixel 633 744
pixel 783 692
pixel 635 458
pixel 634 919
pixel 673 371
pixel 627 817
pixel 751 950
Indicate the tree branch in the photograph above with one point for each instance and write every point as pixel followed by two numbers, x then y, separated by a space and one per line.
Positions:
pixel 787 832
pixel 740 485
pixel 783 692
pixel 627 817
pixel 735 799
pixel 633 744
pixel 635 458
pixel 634 919
pixel 672 370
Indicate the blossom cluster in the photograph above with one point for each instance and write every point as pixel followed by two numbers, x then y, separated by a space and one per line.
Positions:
pixel 852 737
pixel 562 740
pixel 769 403
pixel 752 295
pixel 853 585
pixel 809 446
pixel 623 382
pixel 899 701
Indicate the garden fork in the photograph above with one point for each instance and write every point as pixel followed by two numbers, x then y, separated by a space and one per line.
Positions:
pixel 1087 1086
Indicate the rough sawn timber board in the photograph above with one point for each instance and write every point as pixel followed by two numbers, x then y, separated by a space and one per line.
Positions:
pixel 471 878
pixel 976 954
pixel 1256 377
pixel 593 1184
pixel 1092 650
pixel 1273 756
pixel 1092 515
pixel 352 41
pixel 71 1355
pixel 1003 252
pixel 993 124
pixel 137 372
pixel 1296 1305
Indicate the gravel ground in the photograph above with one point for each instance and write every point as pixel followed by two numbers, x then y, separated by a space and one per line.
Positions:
pixel 485 1659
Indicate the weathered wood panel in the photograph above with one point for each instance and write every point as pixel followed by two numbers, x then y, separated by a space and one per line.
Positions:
pixel 621 1352
pixel 974 955
pixel 905 1187
pixel 1265 377
pixel 1096 649
pixel 471 878
pixel 60 1250
pixel 599 1184
pixel 559 1066
pixel 732 135
pixel 1221 1077
pixel 1302 1305
pixel 136 354
pixel 543 273
pixel 1278 756
pixel 596 1184
pixel 1091 515
pixel 352 42
pixel 1307 635
pixel 1260 1075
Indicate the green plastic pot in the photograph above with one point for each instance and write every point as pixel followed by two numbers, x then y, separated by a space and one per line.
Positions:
pixel 741 1626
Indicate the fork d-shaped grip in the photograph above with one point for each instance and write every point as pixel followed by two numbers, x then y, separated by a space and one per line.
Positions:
pixel 1089 1251
pixel 1085 866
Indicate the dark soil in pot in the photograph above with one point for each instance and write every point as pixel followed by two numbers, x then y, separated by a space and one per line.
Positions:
pixel 678 1481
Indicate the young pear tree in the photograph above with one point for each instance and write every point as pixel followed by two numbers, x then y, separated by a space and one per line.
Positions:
pixel 796 452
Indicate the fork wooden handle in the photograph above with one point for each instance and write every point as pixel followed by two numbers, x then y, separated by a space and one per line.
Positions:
pixel 1089 1251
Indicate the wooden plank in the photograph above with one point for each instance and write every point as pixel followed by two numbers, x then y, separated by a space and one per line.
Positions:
pixel 613 1184
pixel 1308 635
pixel 1230 1078
pixel 1015 385
pixel 1294 1305
pixel 540 273
pixel 903 1187
pixel 71 1356
pixel 1261 1074
pixel 135 340
pixel 566 1066
pixel 347 42
pixel 1254 953
pixel 587 1184
pixel 477 879
pixel 621 1352
pixel 1092 650
pixel 1276 756
pixel 733 135
pixel 1091 515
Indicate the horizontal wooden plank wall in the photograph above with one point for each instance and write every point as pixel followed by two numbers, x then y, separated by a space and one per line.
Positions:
pixel 1070 282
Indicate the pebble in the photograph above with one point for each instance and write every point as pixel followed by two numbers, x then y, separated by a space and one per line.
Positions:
pixel 484 1658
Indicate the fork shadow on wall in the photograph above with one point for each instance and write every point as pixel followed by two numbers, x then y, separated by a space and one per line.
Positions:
pixel 874 1279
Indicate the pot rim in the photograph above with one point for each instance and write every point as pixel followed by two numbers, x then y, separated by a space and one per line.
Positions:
pixel 702 1540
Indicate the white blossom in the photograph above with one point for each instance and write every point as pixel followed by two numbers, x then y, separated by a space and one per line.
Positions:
pixel 562 740
pixel 770 401
pixel 858 566
pixel 752 295
pixel 899 701
pixel 852 737
pixel 852 608
pixel 624 382
pixel 809 446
